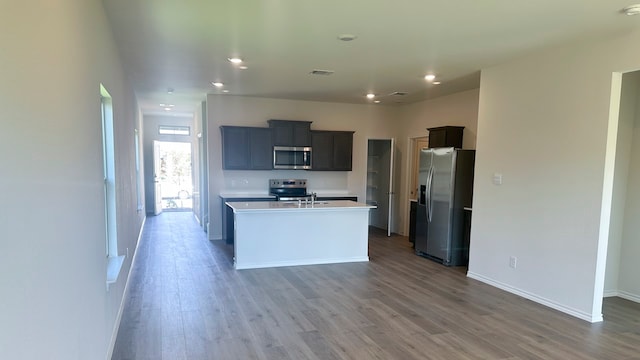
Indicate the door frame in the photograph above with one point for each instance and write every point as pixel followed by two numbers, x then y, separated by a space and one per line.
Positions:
pixel 390 190
pixel 412 168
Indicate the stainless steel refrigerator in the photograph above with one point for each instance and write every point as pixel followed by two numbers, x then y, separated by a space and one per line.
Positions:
pixel 446 188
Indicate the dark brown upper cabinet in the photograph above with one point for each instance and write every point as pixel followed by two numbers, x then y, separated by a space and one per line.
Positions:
pixel 446 136
pixel 290 133
pixel 246 148
pixel 331 150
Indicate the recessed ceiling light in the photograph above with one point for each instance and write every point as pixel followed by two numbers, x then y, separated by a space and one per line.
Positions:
pixel 169 90
pixel 235 60
pixel 167 109
pixel 376 101
pixel 217 84
pixel 347 37
pixel 430 77
pixel 225 91
pixel 436 83
pixel 371 95
pixel 242 67
pixel 167 105
pixel 631 10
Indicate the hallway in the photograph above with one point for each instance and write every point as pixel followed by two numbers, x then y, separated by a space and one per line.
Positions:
pixel 186 301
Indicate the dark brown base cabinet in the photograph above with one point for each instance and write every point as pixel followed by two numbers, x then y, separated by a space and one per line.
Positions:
pixel 246 148
pixel 331 150
pixel 413 209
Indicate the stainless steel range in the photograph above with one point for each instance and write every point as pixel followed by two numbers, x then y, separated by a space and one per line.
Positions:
pixel 289 189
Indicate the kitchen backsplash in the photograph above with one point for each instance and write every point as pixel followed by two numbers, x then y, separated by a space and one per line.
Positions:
pixel 257 181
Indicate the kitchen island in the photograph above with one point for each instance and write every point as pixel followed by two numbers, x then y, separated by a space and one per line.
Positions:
pixel 281 233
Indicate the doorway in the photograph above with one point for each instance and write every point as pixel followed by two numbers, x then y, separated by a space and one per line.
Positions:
pixel 380 183
pixel 173 176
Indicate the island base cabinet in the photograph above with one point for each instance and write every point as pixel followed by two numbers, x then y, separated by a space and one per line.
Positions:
pixel 314 237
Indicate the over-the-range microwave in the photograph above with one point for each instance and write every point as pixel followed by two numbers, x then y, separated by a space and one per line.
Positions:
pixel 292 157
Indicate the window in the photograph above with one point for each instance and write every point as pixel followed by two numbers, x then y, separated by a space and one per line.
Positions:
pixel 109 170
pixel 136 144
pixel 174 130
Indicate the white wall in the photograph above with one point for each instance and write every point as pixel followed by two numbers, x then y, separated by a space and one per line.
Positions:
pixel 368 121
pixel 628 106
pixel 628 283
pixel 54 56
pixel 543 123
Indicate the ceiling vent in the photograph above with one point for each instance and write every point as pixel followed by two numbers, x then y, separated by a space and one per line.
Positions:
pixel 322 72
pixel 398 93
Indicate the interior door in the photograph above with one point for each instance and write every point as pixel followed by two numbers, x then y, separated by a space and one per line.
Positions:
pixel 157 187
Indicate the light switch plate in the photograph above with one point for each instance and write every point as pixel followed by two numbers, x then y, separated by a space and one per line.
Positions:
pixel 497 179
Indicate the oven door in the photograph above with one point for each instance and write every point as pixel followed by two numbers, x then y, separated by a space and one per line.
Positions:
pixel 289 157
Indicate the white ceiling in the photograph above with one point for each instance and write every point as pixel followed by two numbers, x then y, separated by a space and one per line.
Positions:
pixel 184 44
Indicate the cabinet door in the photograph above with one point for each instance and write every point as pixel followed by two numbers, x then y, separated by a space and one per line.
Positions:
pixel 290 132
pixel 321 150
pixel 282 135
pixel 235 148
pixel 413 209
pixel 260 149
pixel 437 138
pixel 342 150
pixel 446 136
pixel 301 134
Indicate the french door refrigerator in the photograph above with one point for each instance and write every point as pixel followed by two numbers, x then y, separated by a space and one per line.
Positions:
pixel 446 188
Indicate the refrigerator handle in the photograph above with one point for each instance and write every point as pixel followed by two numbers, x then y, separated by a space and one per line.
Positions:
pixel 428 195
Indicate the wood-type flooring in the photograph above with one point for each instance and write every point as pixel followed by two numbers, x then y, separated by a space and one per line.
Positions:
pixel 185 301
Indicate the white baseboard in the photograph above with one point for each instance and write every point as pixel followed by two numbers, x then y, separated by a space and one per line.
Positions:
pixel 622 294
pixel 116 327
pixel 629 296
pixel 538 299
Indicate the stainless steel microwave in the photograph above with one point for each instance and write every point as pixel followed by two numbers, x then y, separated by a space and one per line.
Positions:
pixel 292 157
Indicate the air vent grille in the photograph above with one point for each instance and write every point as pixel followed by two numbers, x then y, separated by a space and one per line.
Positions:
pixel 321 72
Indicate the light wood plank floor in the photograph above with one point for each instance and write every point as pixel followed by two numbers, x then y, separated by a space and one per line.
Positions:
pixel 187 302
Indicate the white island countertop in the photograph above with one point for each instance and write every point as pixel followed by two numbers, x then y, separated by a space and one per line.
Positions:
pixel 259 206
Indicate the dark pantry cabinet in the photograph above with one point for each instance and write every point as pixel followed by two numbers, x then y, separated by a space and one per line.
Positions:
pixel 246 148
pixel 331 150
pixel 290 133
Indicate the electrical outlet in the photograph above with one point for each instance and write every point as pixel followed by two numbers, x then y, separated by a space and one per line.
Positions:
pixel 513 262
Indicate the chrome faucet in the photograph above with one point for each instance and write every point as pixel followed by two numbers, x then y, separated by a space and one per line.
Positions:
pixel 314 197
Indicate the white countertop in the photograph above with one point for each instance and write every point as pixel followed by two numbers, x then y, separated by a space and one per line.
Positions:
pixel 231 195
pixel 244 206
pixel 333 194
pixel 255 194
